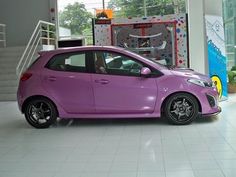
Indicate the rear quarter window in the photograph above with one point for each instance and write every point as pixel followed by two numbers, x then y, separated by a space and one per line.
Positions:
pixel 72 62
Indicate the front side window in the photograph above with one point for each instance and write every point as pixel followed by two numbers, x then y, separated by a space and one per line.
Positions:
pixel 116 64
pixel 73 62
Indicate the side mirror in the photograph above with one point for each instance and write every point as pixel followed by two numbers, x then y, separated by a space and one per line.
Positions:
pixel 145 71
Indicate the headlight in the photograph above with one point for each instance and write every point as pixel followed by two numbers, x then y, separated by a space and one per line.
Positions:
pixel 200 83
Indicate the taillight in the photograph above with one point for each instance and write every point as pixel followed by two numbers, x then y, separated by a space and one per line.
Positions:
pixel 25 76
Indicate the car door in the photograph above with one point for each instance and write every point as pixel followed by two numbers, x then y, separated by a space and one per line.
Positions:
pixel 66 77
pixel 120 89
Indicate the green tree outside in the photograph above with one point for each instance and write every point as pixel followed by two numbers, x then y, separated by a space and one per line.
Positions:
pixel 135 8
pixel 76 17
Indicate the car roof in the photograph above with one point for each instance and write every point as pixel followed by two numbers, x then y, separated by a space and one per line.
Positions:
pixel 82 48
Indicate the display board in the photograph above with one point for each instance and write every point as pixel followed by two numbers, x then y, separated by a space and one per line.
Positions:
pixel 216 53
pixel 154 40
pixel 163 38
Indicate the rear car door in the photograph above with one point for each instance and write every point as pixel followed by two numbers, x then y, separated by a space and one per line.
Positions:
pixel 66 77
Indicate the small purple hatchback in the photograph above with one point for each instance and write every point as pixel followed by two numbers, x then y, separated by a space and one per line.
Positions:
pixel 111 82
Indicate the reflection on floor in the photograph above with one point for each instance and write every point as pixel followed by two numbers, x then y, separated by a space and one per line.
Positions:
pixel 118 148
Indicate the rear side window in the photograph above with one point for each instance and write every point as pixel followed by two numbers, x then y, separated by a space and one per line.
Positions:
pixel 75 62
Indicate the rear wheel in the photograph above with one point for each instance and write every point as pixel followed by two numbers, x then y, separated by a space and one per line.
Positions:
pixel 181 108
pixel 40 113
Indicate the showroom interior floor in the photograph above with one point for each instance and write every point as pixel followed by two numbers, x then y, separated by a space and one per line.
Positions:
pixel 118 148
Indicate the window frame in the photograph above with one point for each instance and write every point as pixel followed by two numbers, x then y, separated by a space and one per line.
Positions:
pixel 67 55
pixel 155 73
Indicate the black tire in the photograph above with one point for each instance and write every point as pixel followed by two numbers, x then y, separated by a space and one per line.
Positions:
pixel 40 113
pixel 181 109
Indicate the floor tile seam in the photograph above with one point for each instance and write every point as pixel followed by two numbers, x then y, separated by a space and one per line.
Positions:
pixel 192 126
pixel 188 157
pixel 139 153
pixel 233 148
pixel 164 163
pixel 10 149
pixel 227 142
pixel 116 153
pixel 218 164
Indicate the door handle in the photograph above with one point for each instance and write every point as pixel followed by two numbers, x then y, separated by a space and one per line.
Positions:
pixel 102 81
pixel 52 78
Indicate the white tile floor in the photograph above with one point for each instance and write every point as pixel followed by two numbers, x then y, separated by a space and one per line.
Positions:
pixel 118 148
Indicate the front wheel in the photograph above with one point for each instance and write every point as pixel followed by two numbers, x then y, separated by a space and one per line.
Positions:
pixel 181 108
pixel 40 113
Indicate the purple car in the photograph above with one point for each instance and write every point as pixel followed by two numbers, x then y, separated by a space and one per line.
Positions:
pixel 111 82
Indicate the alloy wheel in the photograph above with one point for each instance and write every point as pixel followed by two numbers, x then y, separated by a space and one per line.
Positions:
pixel 181 108
pixel 40 113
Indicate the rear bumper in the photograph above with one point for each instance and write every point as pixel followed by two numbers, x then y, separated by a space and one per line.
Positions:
pixel 19 100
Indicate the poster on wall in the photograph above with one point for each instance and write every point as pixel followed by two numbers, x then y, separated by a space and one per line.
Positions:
pixel 162 38
pixel 216 53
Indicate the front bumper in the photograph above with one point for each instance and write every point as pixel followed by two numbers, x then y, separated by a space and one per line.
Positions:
pixel 216 111
pixel 209 100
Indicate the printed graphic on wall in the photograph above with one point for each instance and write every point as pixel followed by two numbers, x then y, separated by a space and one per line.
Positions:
pixel 154 40
pixel 163 38
pixel 216 53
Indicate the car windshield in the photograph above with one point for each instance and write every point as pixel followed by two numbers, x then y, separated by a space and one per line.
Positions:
pixel 152 60
pixel 158 63
pixel 155 61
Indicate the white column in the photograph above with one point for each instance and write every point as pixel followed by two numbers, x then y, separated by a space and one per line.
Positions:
pixel 197 36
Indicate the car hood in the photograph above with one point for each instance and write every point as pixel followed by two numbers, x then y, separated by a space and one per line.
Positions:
pixel 186 72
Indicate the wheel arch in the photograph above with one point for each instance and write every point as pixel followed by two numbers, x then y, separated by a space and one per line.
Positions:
pixel 37 97
pixel 166 98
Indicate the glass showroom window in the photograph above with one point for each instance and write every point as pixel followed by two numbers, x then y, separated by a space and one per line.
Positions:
pixel 230 27
pixel 74 21
pixel 137 8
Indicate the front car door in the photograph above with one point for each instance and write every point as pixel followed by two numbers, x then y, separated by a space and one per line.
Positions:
pixel 66 77
pixel 118 86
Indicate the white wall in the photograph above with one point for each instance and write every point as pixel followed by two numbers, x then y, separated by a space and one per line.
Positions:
pixel 21 18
